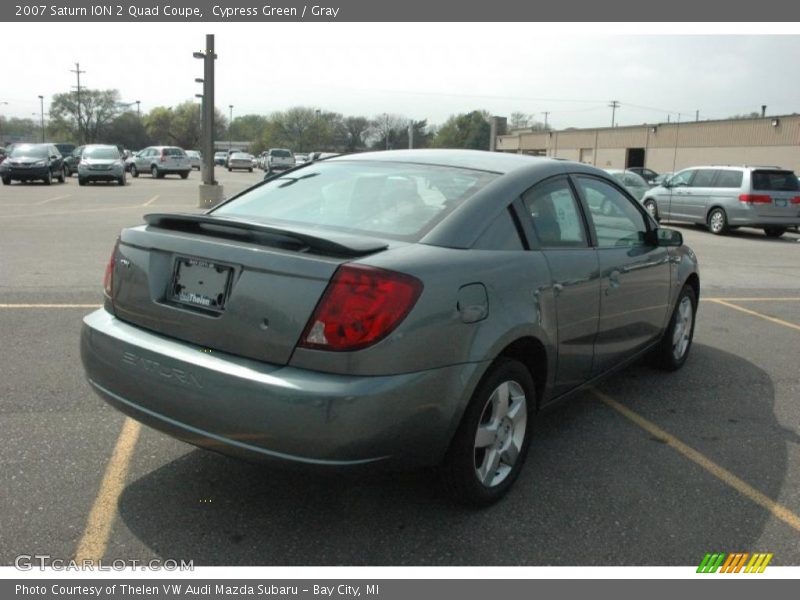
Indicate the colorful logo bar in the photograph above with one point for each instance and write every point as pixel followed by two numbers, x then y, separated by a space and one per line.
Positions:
pixel 734 563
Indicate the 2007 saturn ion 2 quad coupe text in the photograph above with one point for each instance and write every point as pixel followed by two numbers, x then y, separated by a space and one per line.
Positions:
pixel 411 307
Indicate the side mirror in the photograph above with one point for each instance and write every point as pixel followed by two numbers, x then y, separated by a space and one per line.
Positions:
pixel 668 237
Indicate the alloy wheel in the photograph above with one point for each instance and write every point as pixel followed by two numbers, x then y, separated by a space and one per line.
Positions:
pixel 500 433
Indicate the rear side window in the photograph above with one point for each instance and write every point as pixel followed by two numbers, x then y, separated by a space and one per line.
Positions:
pixel 729 179
pixel 555 215
pixel 776 181
pixel 172 152
pixel 704 178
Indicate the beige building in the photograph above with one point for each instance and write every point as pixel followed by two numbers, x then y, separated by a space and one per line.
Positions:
pixel 667 147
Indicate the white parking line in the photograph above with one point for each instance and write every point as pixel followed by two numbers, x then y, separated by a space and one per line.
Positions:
pixel 149 202
pixel 52 199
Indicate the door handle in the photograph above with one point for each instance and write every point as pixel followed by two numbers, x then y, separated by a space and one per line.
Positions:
pixel 613 281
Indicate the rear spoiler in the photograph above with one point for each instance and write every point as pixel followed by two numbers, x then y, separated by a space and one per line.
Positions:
pixel 332 243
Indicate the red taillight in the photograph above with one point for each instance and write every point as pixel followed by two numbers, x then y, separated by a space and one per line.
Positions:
pixel 361 306
pixel 108 277
pixel 795 200
pixel 755 199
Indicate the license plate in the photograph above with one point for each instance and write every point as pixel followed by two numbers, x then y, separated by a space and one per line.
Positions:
pixel 201 283
pixel 781 202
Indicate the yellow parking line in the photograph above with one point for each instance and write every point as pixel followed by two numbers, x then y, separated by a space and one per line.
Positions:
pixel 758 314
pixel 93 542
pixel 50 305
pixel 753 299
pixel 52 199
pixel 777 510
pixel 149 202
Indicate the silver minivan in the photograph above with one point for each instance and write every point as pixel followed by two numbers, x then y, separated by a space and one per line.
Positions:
pixel 725 198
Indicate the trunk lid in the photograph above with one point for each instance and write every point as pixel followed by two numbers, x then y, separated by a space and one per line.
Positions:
pixel 182 276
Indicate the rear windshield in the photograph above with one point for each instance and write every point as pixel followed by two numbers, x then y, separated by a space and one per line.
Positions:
pixel 401 201
pixel 173 152
pixel 65 149
pixel 102 152
pixel 32 151
pixel 281 153
pixel 777 181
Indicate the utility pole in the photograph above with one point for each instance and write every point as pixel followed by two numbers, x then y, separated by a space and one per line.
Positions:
pixel 411 135
pixel 78 72
pixel 614 105
pixel 41 114
pixel 386 128
pixel 230 125
pixel 139 109
pixel 545 113
pixel 696 115
pixel 210 191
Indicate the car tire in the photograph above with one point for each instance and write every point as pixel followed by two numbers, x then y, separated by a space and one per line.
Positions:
pixel 121 180
pixel 134 171
pixel 672 351
pixel 229 169
pixel 651 207
pixel 185 175
pixel 155 173
pixel 48 180
pixel 6 180
pixel 81 180
pixel 489 448
pixel 62 175
pixel 774 232
pixel 717 222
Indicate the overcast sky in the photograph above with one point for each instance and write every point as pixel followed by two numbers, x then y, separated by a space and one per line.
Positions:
pixel 420 70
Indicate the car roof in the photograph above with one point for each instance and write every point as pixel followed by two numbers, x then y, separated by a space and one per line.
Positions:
pixel 480 160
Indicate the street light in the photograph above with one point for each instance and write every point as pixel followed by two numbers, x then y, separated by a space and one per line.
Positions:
pixel 210 190
pixel 41 114
pixel 230 123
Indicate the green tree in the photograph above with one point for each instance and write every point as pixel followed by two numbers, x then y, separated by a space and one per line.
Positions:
pixel 355 133
pixel 181 125
pixel 15 129
pixel 85 116
pixel 128 130
pixel 469 130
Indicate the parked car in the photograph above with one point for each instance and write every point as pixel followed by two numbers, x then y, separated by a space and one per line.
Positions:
pixel 315 156
pixel 240 160
pixel 160 161
pixel 647 174
pixel 662 178
pixel 195 158
pixel 65 149
pixel 100 162
pixel 724 198
pixel 71 161
pixel 300 158
pixel 278 159
pixel 632 182
pixel 417 307
pixel 32 162
pixel 220 158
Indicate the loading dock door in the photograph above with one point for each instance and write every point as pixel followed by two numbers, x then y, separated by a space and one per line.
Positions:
pixel 634 157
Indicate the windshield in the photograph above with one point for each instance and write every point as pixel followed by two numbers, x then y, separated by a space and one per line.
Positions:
pixel 280 153
pixel 31 151
pixel 102 152
pixel 402 201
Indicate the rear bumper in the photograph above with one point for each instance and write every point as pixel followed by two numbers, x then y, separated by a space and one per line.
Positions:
pixel 274 413
pixel 748 217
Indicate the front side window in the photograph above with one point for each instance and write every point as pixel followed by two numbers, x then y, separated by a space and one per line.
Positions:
pixel 617 222
pixel 555 215
pixel 682 178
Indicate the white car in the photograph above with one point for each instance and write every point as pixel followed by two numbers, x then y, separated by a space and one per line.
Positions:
pixel 240 160
pixel 195 158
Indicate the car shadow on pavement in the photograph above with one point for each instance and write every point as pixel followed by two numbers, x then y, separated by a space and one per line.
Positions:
pixel 597 490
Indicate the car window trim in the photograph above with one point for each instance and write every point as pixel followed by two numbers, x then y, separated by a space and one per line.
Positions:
pixel 650 224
